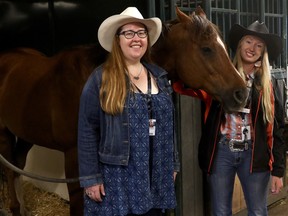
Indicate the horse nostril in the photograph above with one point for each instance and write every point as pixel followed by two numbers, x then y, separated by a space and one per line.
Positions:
pixel 240 95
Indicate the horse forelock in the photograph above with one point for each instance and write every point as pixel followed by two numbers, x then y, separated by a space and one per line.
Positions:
pixel 198 30
pixel 202 29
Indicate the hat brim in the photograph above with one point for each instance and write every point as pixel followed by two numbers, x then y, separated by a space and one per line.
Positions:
pixel 108 28
pixel 272 41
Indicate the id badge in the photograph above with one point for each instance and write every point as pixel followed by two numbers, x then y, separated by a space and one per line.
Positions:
pixel 152 127
pixel 246 133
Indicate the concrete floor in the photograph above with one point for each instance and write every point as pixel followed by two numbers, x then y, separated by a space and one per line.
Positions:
pixel 280 208
pixel 278 205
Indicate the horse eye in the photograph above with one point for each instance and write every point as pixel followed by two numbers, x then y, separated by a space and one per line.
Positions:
pixel 206 50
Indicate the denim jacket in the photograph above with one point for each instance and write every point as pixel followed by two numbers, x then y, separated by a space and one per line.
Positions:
pixel 105 138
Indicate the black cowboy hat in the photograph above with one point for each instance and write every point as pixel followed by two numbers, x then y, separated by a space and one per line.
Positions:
pixel 272 41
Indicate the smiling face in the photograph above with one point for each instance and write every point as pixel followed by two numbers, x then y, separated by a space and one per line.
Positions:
pixel 133 49
pixel 252 48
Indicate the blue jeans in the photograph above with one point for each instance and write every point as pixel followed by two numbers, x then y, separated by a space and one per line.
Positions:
pixel 221 182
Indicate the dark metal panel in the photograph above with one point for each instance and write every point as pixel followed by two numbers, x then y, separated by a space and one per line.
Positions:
pixel 24 23
pixel 50 26
pixel 77 22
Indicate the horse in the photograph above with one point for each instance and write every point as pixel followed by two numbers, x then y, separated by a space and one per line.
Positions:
pixel 39 95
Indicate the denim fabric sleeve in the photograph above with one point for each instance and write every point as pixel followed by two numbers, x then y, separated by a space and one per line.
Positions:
pixel 89 133
pixel 176 152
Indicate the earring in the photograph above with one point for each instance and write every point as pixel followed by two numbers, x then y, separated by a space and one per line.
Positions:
pixel 258 64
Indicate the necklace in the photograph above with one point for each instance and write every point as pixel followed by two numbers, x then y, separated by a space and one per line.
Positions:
pixel 138 76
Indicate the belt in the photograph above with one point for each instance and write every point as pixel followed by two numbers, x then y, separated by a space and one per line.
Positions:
pixel 237 145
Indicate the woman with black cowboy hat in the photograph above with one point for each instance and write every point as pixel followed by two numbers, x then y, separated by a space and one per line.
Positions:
pixel 248 142
pixel 126 134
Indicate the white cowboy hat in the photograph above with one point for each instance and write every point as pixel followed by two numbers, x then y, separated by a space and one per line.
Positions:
pixel 109 26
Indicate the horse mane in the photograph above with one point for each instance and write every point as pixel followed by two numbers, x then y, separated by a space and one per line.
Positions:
pixel 202 27
pixel 199 27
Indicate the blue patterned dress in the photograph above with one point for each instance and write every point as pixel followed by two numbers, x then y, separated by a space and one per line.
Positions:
pixel 141 185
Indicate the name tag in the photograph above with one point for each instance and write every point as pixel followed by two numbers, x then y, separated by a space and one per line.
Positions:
pixel 246 133
pixel 152 127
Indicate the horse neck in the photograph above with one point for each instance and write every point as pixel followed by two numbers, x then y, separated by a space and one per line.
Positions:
pixel 162 55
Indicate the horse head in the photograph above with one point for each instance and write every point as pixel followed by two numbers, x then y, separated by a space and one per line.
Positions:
pixel 191 50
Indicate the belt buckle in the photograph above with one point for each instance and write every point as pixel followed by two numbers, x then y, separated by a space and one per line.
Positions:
pixel 234 141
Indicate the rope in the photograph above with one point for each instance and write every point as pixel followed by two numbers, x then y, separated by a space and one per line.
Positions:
pixel 41 178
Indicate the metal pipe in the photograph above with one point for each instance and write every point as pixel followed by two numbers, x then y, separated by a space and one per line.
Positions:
pixel 41 178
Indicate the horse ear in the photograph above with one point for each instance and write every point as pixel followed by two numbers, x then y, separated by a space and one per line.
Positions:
pixel 200 12
pixel 192 14
pixel 182 16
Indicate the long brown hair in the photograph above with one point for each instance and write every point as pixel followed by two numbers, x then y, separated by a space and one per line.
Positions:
pixel 115 81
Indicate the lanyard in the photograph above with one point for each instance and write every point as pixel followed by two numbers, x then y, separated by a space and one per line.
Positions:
pixel 151 121
pixel 148 95
pixel 246 130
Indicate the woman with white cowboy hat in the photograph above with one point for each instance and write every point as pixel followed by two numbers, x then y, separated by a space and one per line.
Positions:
pixel 249 142
pixel 126 140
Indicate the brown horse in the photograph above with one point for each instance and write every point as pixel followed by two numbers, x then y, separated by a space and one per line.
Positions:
pixel 39 95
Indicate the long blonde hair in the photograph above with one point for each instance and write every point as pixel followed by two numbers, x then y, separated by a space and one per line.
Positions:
pixel 115 82
pixel 263 73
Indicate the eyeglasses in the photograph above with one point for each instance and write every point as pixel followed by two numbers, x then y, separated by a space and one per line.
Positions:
pixel 130 34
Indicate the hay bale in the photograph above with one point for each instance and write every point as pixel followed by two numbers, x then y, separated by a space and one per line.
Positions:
pixel 38 202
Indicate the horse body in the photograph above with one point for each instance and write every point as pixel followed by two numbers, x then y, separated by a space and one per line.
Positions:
pixel 35 100
pixel 39 95
pixel 39 99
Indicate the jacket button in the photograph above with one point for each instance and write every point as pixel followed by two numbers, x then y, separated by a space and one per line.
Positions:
pixel 123 161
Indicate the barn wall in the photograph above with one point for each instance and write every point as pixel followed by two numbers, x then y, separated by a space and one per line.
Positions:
pixel 189 181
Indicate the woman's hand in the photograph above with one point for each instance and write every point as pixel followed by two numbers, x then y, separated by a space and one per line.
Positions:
pixel 174 175
pixel 95 192
pixel 276 184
